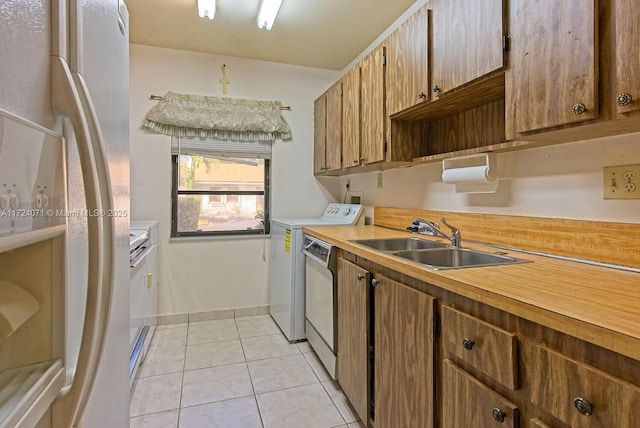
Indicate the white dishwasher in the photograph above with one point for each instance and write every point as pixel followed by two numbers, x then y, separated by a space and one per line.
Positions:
pixel 320 300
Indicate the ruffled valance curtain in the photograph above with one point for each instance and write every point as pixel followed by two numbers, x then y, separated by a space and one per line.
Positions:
pixel 199 116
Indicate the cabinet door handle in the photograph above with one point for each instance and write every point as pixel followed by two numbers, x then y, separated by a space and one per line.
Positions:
pixel 421 95
pixel 375 282
pixel 579 108
pixel 583 406
pixel 360 277
pixel 498 414
pixel 435 89
pixel 624 99
pixel 468 344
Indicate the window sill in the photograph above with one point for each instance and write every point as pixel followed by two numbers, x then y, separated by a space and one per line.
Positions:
pixel 217 238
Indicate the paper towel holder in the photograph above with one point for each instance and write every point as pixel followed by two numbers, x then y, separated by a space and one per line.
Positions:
pixel 459 166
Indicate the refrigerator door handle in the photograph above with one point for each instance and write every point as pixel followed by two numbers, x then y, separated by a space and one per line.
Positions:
pixel 71 99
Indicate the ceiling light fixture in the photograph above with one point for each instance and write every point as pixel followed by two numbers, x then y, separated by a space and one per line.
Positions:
pixel 207 8
pixel 267 14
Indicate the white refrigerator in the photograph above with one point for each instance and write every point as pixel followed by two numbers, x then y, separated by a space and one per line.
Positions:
pixel 64 65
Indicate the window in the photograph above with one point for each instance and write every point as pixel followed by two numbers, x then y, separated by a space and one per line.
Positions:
pixel 219 192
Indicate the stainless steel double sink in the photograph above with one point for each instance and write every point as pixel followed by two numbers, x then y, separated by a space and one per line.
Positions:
pixel 435 255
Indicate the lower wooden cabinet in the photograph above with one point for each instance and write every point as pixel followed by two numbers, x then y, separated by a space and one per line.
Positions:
pixel 580 395
pixel 353 335
pixel 404 356
pixel 469 403
pixel 444 360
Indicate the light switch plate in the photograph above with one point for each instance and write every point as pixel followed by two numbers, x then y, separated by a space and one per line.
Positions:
pixel 621 182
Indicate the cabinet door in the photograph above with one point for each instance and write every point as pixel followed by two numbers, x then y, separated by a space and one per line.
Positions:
pixel 351 117
pixel 372 115
pixel 333 148
pixel 470 403
pixel 578 394
pixel 467 41
pixel 319 133
pixel 407 63
pixel 353 337
pixel 404 356
pixel 553 77
pixel 627 56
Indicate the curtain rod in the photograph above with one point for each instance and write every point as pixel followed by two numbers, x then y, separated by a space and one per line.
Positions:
pixel 157 97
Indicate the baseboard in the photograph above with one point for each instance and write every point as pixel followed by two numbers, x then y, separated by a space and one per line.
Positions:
pixel 213 315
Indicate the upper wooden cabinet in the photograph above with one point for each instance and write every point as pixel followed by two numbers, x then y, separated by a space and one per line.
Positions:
pixel 467 41
pixel 327 134
pixel 407 53
pixel 351 118
pixel 372 109
pixel 319 134
pixel 553 78
pixel 627 60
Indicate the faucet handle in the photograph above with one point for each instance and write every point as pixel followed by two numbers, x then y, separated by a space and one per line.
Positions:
pixel 455 233
pixel 452 228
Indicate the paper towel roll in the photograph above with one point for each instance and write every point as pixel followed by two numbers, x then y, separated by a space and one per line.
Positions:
pixel 16 307
pixel 472 179
pixel 471 174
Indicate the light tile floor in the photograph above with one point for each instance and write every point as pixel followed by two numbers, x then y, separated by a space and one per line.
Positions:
pixel 235 373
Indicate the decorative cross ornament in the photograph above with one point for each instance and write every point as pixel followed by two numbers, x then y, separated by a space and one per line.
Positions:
pixel 224 81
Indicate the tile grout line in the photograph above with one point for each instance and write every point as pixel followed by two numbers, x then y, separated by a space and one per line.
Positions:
pixel 184 362
pixel 255 397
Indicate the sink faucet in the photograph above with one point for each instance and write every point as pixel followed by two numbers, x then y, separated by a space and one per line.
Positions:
pixel 426 227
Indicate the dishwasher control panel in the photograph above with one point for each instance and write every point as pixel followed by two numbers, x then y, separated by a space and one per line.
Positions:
pixel 318 250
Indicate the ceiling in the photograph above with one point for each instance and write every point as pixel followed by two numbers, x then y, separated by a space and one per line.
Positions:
pixel 316 33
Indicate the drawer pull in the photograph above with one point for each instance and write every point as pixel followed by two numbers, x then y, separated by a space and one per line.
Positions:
pixel 583 406
pixel 624 99
pixel 498 414
pixel 468 343
pixel 579 108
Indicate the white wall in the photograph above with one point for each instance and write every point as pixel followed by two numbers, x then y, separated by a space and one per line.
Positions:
pixel 563 181
pixel 210 274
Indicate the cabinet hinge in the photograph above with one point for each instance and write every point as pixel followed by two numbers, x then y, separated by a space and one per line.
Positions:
pixel 384 147
pixel 341 92
pixel 384 60
pixel 506 43
pixel 436 326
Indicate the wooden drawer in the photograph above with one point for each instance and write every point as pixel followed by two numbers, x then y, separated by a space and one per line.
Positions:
pixel 537 423
pixel 570 389
pixel 469 403
pixel 483 346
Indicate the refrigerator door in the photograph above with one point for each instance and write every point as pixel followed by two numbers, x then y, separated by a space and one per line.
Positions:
pixel 34 47
pixel 99 64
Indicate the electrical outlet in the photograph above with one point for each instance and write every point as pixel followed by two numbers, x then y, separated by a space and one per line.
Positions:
pixel 621 182
pixel 379 180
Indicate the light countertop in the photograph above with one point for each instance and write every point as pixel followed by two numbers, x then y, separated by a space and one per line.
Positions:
pixel 597 304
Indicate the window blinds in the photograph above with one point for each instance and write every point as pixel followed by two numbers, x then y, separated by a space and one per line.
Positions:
pixel 217 148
